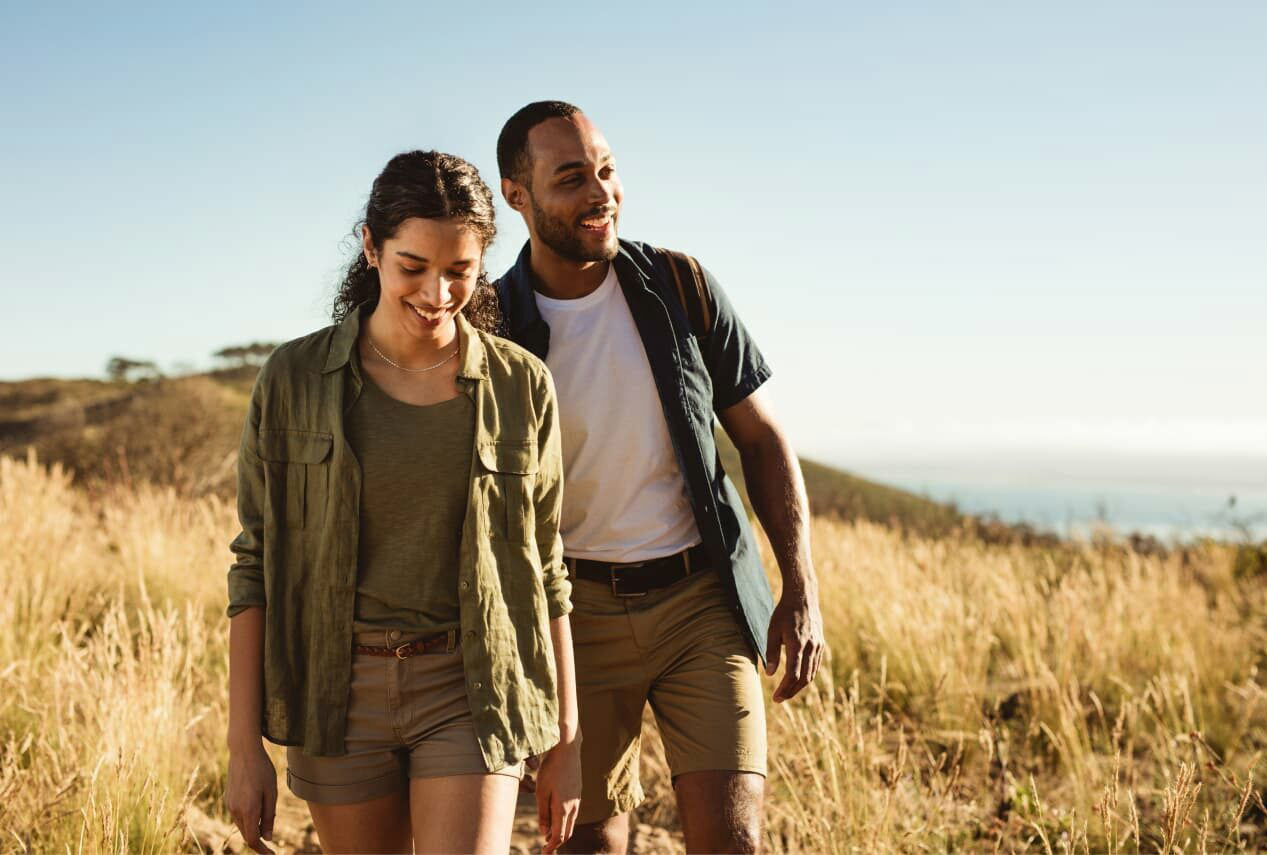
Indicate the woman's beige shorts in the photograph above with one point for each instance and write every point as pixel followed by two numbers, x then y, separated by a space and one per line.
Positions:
pixel 407 718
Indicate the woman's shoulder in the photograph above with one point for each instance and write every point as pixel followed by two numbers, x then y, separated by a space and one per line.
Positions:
pixel 511 356
pixel 299 356
pixel 511 366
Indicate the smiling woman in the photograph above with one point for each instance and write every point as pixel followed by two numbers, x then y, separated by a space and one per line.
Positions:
pixel 461 198
pixel 399 602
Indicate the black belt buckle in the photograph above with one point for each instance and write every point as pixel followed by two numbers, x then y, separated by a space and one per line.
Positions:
pixel 615 583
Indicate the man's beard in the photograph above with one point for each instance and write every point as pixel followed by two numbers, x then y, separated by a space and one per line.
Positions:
pixel 556 234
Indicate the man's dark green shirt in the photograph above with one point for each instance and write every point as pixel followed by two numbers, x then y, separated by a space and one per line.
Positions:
pixel 696 377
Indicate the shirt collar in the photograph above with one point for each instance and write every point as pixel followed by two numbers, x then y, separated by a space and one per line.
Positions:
pixel 472 360
pixel 516 291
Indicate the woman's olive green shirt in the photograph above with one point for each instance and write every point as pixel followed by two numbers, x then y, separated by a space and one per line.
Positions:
pixel 299 488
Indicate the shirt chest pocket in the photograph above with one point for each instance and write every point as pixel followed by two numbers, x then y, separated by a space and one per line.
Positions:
pixel 296 473
pixel 696 382
pixel 506 480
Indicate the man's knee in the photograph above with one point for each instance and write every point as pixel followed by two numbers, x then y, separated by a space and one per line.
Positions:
pixel 610 836
pixel 743 825
pixel 722 811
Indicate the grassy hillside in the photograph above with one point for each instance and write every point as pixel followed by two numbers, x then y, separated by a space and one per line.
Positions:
pixel 837 494
pixel 184 432
pixel 181 432
pixel 978 698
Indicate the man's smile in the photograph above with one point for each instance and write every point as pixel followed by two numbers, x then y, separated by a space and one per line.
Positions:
pixel 598 223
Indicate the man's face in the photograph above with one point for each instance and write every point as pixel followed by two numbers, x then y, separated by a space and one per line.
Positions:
pixel 573 200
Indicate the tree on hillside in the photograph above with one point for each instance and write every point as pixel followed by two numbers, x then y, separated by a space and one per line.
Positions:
pixel 122 368
pixel 240 355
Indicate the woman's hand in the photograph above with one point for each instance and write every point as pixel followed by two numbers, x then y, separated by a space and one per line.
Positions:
pixel 252 795
pixel 559 793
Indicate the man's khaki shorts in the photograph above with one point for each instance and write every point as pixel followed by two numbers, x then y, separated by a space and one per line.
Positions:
pixel 407 718
pixel 681 649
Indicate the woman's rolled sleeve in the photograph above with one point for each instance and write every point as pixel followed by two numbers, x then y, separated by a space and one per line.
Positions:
pixel 246 574
pixel 548 498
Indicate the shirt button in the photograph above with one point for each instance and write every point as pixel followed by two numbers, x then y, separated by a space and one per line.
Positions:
pixel 470 635
pixel 393 635
pixel 466 586
pixel 477 685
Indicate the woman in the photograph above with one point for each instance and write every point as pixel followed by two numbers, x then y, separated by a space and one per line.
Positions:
pixel 399 603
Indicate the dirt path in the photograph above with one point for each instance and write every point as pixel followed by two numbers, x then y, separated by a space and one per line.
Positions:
pixel 294 833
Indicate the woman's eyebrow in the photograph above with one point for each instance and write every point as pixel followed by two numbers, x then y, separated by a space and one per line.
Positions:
pixel 411 255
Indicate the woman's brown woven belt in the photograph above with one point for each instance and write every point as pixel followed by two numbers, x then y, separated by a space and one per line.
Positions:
pixel 441 642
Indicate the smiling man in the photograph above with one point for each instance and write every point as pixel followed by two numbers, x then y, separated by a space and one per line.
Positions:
pixel 670 602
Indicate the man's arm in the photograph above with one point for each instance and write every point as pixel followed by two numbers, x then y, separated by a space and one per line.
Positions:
pixel 777 491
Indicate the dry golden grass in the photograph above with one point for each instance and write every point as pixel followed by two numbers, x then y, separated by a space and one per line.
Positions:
pixel 978 698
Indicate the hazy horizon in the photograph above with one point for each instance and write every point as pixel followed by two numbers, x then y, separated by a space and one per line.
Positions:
pixel 973 229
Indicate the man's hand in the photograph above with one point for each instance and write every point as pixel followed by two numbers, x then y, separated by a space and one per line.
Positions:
pixel 797 628
pixel 559 793
pixel 251 795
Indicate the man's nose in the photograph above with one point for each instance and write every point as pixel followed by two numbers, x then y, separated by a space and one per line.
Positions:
pixel 601 193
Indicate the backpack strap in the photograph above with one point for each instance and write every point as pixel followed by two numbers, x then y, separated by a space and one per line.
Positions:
pixel 692 291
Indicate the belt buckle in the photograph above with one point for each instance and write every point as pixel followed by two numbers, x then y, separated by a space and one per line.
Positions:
pixel 405 650
pixel 616 591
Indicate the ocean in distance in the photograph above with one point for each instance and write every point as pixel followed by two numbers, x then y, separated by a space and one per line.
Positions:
pixel 1171 499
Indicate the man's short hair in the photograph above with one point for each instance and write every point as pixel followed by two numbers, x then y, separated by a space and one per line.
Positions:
pixel 512 143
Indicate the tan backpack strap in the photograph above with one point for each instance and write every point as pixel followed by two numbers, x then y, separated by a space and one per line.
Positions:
pixel 692 290
pixel 701 291
pixel 677 281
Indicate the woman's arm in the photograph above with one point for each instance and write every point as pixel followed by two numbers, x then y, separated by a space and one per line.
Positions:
pixel 559 780
pixel 246 678
pixel 559 777
pixel 251 793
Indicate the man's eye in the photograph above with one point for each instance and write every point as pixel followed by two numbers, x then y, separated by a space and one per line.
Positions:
pixel 572 180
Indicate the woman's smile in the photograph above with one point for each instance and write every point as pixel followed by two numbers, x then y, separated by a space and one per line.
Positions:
pixel 430 318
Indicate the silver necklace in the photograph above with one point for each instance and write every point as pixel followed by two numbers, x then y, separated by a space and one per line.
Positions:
pixel 410 370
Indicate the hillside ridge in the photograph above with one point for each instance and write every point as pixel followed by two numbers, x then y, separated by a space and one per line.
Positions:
pixel 184 431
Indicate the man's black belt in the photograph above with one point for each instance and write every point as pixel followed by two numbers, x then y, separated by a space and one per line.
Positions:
pixel 637 578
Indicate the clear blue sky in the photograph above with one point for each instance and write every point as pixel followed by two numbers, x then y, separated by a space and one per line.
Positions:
pixel 951 226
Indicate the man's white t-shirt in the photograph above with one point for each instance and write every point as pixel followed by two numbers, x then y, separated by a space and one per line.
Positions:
pixel 624 497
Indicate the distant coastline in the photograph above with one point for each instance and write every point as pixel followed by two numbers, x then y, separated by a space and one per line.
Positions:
pixel 1171 498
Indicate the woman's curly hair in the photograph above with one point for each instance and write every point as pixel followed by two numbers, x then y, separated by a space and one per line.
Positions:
pixel 434 186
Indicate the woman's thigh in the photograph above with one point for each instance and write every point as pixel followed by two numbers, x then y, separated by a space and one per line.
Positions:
pixel 463 813
pixel 379 825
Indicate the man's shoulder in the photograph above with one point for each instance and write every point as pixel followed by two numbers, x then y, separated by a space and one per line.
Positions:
pixel 656 262
pixel 645 255
pixel 650 252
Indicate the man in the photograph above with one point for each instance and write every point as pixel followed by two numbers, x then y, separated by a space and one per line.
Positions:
pixel 670 602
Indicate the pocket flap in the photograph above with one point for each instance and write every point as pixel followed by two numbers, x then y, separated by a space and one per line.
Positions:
pixel 294 446
pixel 514 457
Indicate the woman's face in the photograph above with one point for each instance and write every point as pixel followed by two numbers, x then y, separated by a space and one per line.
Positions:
pixel 428 271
